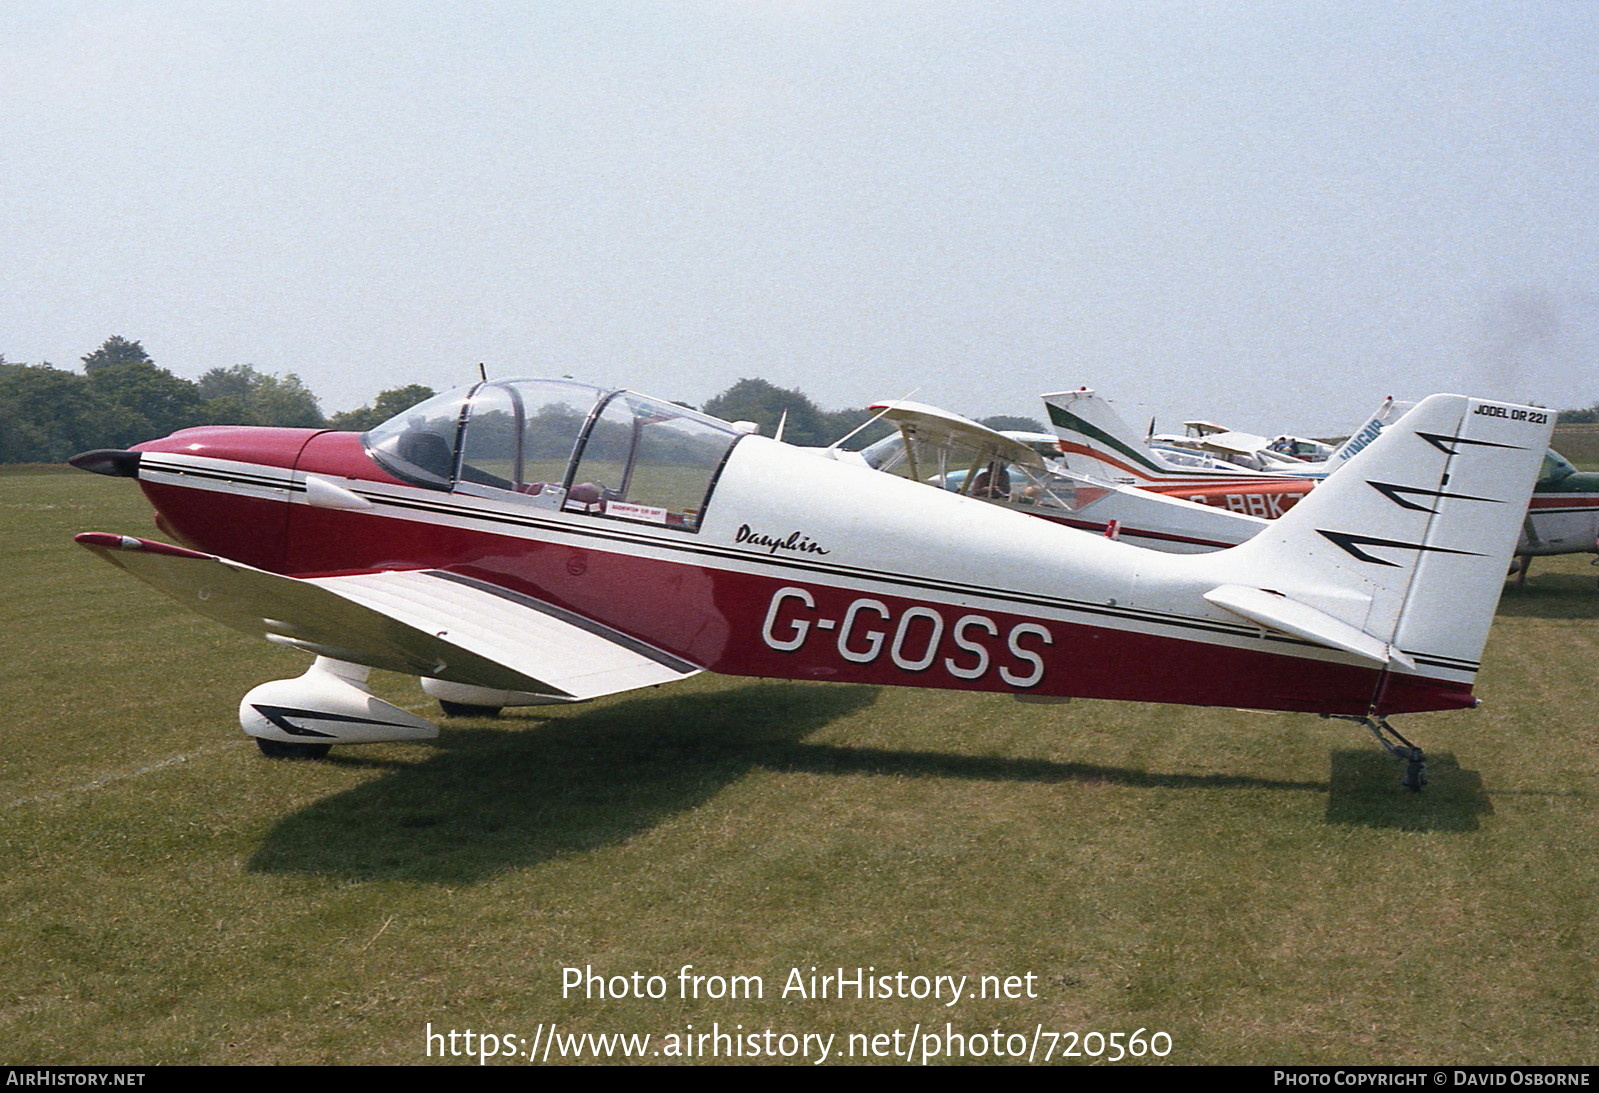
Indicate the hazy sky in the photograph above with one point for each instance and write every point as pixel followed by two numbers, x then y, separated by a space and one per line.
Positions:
pixel 1270 214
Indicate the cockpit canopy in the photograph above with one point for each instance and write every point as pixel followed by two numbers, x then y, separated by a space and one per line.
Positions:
pixel 561 445
pixel 1556 468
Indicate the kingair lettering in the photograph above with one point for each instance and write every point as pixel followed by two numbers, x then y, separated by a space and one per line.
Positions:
pixel 916 640
pixel 1362 438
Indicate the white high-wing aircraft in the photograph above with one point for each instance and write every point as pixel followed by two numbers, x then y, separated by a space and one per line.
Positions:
pixel 1025 472
pixel 1285 454
pixel 548 541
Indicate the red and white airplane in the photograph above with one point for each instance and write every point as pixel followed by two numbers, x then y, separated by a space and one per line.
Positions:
pixel 547 541
pixel 1097 442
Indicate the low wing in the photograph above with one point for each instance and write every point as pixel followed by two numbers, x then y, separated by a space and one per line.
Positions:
pixel 420 622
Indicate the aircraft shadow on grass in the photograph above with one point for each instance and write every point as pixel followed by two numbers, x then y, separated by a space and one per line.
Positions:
pixel 1363 788
pixel 487 800
pixel 1362 794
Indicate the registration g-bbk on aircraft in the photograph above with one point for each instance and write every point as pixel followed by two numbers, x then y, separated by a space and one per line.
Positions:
pixel 547 541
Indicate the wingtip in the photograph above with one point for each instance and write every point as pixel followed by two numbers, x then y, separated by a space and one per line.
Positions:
pixel 106 540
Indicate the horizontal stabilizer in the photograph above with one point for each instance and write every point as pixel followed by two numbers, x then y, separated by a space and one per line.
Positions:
pixel 419 622
pixel 1276 611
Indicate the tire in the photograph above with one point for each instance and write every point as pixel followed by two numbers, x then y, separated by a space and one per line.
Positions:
pixel 281 749
pixel 466 709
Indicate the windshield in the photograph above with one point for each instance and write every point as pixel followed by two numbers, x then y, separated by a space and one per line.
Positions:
pixel 1556 468
pixel 564 445
pixel 418 445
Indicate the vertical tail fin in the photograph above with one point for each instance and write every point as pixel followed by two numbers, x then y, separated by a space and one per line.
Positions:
pixel 1385 415
pixel 1408 544
pixel 1097 442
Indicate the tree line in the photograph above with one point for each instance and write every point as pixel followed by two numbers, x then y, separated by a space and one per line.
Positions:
pixel 122 397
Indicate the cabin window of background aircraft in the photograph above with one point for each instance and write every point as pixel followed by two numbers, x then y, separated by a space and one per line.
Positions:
pixel 951 464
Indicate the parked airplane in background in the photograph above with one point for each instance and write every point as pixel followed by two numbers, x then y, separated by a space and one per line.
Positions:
pixel 548 541
pixel 1284 455
pixel 1097 442
pixel 1025 472
pixel 1564 514
pixel 1563 517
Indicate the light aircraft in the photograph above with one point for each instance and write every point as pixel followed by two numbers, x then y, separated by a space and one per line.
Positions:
pixel 1285 454
pixel 548 541
pixel 1563 517
pixel 1024 471
pixel 1097 442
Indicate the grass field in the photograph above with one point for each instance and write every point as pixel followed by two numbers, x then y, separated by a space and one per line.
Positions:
pixel 1578 443
pixel 1257 886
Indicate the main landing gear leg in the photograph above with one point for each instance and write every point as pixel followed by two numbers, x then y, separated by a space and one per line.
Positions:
pixel 1398 747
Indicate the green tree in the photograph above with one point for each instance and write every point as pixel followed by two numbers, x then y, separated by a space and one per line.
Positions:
pixel 388 403
pixel 115 350
pixel 836 425
pixel 765 404
pixel 241 395
pixel 48 414
pixel 145 400
pixel 1009 423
